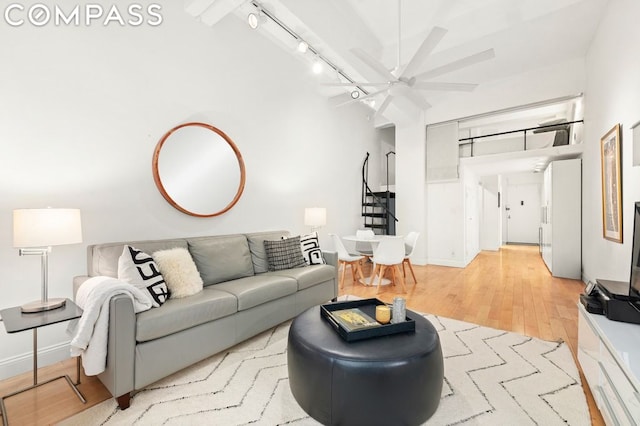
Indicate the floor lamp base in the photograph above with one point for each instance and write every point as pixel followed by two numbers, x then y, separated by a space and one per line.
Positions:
pixel 41 306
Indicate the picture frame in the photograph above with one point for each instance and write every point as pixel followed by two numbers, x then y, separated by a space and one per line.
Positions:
pixel 611 185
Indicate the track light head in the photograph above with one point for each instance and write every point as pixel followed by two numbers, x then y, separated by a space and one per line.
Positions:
pixel 254 19
pixel 303 46
pixel 317 66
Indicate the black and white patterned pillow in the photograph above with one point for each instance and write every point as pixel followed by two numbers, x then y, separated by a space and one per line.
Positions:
pixel 284 254
pixel 138 268
pixel 311 251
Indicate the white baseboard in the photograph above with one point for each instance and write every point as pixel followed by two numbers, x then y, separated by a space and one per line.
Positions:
pixel 23 363
pixel 422 261
pixel 447 262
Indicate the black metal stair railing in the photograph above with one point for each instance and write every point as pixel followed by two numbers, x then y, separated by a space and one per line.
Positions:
pixel 376 205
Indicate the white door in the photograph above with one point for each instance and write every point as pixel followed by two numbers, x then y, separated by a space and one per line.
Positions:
pixel 522 212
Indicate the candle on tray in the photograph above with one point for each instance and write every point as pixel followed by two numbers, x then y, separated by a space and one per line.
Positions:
pixel 383 314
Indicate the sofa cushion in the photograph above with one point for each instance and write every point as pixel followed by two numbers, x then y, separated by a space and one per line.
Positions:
pixel 256 246
pixel 307 276
pixel 180 314
pixel 256 290
pixel 103 258
pixel 179 272
pixel 138 269
pixel 284 254
pixel 221 258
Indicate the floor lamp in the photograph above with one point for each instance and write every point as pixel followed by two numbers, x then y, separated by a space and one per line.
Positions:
pixel 35 231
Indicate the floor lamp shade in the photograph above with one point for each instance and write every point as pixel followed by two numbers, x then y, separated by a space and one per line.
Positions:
pixel 315 217
pixel 35 231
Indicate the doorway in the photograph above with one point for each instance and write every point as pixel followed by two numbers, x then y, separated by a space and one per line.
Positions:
pixel 522 213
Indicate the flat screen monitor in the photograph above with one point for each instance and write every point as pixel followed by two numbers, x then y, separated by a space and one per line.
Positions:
pixel 634 287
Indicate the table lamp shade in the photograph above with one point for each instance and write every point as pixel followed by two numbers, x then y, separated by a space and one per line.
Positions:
pixel 315 216
pixel 46 227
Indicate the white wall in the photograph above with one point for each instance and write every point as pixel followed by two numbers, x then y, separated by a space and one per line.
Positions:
pixel 453 221
pixel 472 209
pixel 445 224
pixel 82 109
pixel 490 218
pixel 611 96
pixel 410 183
pixel 387 137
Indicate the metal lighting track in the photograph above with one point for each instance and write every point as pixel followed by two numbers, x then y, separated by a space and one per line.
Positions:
pixel 313 50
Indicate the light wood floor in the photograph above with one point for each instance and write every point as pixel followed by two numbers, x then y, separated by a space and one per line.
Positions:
pixel 510 290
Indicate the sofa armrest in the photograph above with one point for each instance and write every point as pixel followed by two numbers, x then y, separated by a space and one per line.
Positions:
pixel 77 282
pixel 331 257
pixel 118 376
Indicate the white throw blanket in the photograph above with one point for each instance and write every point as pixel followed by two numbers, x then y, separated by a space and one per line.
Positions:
pixel 91 331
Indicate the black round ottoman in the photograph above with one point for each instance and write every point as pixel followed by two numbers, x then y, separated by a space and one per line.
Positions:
pixel 388 380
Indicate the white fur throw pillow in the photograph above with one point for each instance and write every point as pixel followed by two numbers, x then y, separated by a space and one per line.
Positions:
pixel 179 272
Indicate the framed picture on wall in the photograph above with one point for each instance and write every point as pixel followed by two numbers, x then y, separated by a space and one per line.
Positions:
pixel 611 185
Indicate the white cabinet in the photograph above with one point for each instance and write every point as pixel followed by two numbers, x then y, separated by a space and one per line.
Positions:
pixel 561 218
pixel 609 354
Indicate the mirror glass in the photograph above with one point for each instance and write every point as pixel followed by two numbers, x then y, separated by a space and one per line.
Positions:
pixel 198 169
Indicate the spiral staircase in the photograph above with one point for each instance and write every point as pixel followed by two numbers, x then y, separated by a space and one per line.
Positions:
pixel 378 207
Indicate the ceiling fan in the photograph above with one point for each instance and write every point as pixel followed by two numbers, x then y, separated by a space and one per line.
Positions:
pixel 407 82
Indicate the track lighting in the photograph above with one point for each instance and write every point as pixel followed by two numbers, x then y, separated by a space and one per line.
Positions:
pixel 254 19
pixel 303 46
pixel 261 14
pixel 317 66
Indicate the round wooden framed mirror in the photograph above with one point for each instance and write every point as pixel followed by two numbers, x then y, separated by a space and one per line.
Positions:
pixel 198 169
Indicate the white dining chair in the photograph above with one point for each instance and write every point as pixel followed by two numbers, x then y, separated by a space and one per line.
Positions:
pixel 410 242
pixel 389 255
pixel 345 259
pixel 363 247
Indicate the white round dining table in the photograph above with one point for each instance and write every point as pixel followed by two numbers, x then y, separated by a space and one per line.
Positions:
pixel 374 241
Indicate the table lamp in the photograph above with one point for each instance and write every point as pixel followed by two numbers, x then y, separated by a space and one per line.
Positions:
pixel 315 217
pixel 34 232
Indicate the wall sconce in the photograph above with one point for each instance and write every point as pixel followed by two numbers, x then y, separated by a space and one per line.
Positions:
pixel 315 217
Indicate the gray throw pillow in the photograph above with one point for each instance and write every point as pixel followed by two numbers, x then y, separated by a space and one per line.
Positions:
pixel 256 246
pixel 284 254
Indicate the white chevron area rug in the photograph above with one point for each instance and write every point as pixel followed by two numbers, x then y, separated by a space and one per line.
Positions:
pixel 492 377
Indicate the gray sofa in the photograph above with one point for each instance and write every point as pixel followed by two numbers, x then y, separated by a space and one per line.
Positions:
pixel 240 299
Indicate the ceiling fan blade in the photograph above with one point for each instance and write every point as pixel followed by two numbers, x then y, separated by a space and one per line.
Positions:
pixel 417 99
pixel 373 63
pixel 354 84
pixel 370 95
pixel 454 87
pixel 424 51
pixel 383 106
pixel 459 64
